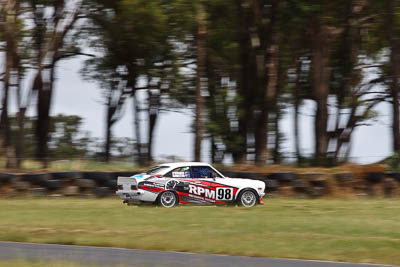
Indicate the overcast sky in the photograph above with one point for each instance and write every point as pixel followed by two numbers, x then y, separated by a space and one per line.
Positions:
pixel 74 96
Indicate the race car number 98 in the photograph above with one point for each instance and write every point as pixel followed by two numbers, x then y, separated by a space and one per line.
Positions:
pixel 224 193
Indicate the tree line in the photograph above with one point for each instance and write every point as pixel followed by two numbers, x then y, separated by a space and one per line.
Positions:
pixel 239 64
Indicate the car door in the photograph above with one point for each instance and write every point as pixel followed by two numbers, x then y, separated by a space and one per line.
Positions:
pixel 212 189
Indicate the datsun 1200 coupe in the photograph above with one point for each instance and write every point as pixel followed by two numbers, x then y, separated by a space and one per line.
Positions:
pixel 199 183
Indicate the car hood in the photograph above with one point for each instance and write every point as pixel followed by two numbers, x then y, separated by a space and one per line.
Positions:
pixel 240 182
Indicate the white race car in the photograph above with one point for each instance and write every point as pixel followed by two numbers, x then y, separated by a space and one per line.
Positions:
pixel 188 183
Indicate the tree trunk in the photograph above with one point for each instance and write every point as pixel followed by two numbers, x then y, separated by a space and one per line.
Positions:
pixel 244 88
pixel 277 148
pixel 349 48
pixel 45 92
pixel 136 117
pixel 109 123
pixel 201 83
pixel 19 150
pixel 270 90
pixel 321 72
pixel 297 101
pixel 10 31
pixel 154 102
pixel 394 72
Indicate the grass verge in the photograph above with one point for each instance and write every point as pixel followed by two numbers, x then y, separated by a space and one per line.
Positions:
pixel 27 263
pixel 338 230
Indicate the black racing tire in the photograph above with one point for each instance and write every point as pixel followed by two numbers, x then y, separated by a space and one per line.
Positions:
pixel 344 177
pixel 36 178
pixel 282 177
pixel 67 175
pixel 167 199
pixel 99 177
pixel 52 185
pixel 247 198
pixel 250 175
pixel 375 177
pixel 112 184
pixel 6 178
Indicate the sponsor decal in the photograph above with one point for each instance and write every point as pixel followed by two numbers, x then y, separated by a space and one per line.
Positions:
pixel 178 174
pixel 201 192
pixel 152 184
pixel 185 174
pixel 171 184
pixel 151 188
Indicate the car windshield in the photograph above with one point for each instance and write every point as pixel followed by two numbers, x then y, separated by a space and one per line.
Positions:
pixel 156 169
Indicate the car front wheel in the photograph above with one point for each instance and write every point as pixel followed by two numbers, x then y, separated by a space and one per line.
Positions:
pixel 167 199
pixel 247 199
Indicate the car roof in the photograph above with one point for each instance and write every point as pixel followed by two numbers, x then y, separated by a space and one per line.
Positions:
pixel 177 164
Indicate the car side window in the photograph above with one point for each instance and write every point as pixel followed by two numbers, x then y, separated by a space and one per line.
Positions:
pixel 215 174
pixel 202 172
pixel 181 172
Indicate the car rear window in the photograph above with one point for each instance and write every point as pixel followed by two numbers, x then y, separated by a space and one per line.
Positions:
pixel 156 170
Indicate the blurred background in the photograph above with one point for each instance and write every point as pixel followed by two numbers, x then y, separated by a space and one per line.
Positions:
pixel 310 83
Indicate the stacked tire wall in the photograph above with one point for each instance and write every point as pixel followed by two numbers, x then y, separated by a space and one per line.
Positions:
pixel 284 184
pixel 74 184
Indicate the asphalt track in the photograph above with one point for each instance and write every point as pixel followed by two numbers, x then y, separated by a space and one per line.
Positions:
pixel 133 257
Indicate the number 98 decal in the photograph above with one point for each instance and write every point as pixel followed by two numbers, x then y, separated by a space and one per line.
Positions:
pixel 224 193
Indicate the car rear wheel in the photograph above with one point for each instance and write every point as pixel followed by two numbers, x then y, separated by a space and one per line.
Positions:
pixel 167 199
pixel 247 199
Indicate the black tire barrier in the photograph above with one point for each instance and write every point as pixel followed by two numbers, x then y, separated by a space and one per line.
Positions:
pixel 101 192
pixel 318 183
pixel 99 177
pixel 394 175
pixel 316 192
pixel 230 174
pixel 389 187
pixel 36 178
pixel 71 190
pixel 313 176
pixel 66 175
pixel 344 177
pixel 112 184
pixel 301 188
pixel 374 177
pixel 284 178
pixel 249 175
pixel 85 183
pixel 299 184
pixel 6 178
pixel 21 186
pixel 271 186
pixel 115 175
pixel 53 185
pixel 271 183
pixel 38 192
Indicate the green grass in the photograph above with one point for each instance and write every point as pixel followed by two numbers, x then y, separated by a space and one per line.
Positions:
pixel 337 230
pixel 28 263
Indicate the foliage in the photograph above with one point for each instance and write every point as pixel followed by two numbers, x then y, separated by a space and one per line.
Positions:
pixel 337 54
pixel 394 163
